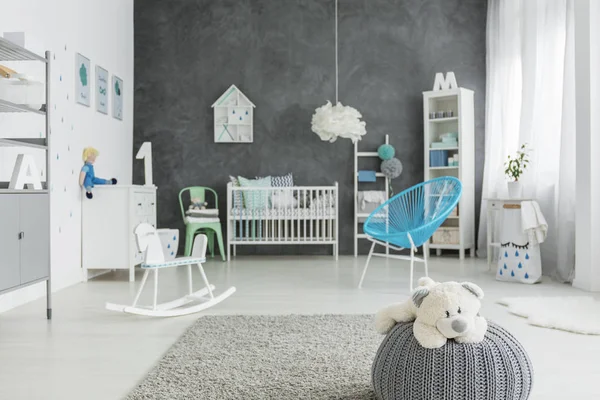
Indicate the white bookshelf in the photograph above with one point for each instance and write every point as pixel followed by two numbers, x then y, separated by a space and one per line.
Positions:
pixel 380 179
pixel 460 102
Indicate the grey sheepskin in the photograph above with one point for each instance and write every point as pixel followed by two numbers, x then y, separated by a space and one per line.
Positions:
pixel 497 368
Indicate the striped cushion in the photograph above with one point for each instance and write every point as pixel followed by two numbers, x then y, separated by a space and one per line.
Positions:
pixel 238 201
pixel 281 181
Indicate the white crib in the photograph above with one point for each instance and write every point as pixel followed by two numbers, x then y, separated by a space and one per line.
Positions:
pixel 282 215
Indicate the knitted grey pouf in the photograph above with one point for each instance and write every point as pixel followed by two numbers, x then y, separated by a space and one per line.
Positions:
pixel 497 368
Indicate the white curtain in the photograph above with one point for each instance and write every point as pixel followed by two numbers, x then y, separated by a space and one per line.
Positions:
pixel 530 99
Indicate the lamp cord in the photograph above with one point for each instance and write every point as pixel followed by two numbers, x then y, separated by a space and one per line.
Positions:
pixel 336 52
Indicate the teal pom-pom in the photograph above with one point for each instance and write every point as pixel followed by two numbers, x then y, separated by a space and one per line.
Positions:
pixel 386 152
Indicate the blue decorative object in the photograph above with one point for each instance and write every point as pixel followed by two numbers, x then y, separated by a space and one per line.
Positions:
pixel 367 176
pixel 512 273
pixel 438 158
pixel 386 152
pixel 168 246
pixel 520 265
pixel 505 254
pixel 505 266
pixel 526 275
pixel 500 272
pixel 517 253
pixel 527 256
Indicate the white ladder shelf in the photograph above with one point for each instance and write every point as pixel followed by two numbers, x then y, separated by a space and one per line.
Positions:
pixel 357 214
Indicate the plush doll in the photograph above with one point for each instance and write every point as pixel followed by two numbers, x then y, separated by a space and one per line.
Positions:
pixel 198 204
pixel 440 311
pixel 87 177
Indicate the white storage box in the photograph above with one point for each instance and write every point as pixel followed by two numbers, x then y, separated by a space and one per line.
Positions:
pixel 446 235
pixel 169 239
pixel 31 93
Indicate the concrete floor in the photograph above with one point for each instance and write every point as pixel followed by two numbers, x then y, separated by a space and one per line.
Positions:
pixel 87 352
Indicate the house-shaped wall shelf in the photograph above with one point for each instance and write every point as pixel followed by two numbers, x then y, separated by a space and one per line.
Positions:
pixel 234 117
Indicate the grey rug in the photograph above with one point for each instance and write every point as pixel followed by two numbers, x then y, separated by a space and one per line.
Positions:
pixel 267 357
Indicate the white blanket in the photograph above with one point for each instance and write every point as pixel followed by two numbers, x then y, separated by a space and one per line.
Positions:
pixel 533 223
pixel 371 196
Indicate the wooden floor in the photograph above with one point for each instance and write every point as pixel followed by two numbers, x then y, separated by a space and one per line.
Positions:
pixel 89 353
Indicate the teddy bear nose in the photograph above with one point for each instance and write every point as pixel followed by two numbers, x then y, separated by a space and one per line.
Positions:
pixel 459 326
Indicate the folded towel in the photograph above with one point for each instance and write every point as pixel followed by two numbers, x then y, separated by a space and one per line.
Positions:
pixel 367 176
pixel 533 223
pixel 371 196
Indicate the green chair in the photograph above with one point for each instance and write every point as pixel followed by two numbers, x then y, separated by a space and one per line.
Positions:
pixel 209 228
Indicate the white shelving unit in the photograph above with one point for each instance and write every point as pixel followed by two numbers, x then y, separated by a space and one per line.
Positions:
pixel 234 117
pixel 357 156
pixel 25 214
pixel 460 102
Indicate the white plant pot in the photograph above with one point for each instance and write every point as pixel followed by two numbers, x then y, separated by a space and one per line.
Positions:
pixel 515 190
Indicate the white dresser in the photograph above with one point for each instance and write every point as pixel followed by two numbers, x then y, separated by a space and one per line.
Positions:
pixel 108 222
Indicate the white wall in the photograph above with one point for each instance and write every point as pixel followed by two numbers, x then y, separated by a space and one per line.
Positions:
pixel 101 30
pixel 587 81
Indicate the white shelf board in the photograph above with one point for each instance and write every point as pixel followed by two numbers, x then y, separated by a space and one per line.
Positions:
pixel 443 148
pixel 364 215
pixel 444 246
pixel 439 120
pixel 367 154
pixel 8 107
pixel 26 191
pixel 24 143
pixel 443 167
pixel 12 52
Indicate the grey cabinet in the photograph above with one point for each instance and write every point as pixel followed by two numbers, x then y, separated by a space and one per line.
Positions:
pixel 24 239
pixel 10 272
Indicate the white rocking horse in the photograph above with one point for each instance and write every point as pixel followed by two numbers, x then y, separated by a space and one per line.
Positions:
pixel 148 240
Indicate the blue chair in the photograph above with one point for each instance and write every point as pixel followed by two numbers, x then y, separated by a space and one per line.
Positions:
pixel 409 219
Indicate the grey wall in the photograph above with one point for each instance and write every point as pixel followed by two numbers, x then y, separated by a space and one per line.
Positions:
pixel 280 53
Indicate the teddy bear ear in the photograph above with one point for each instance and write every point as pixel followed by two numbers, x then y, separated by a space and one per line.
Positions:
pixel 426 281
pixel 419 295
pixel 473 288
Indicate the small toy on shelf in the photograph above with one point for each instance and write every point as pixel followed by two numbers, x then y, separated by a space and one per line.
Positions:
pixel 87 177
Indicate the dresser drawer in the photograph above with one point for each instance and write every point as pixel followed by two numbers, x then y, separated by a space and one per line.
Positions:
pixel 144 203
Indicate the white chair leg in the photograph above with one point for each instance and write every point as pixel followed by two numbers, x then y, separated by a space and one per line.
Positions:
pixel 139 292
pixel 425 259
pixel 366 266
pixel 205 279
pixel 190 279
pixel 412 266
pixel 155 288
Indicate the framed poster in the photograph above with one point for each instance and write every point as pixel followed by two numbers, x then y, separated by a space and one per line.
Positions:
pixel 101 90
pixel 82 80
pixel 117 100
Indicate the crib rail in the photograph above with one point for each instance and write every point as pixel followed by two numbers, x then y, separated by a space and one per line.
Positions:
pixel 282 215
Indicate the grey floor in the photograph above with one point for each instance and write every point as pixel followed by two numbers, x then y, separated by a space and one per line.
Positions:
pixel 89 353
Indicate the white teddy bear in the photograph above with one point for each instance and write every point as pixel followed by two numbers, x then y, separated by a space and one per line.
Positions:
pixel 440 311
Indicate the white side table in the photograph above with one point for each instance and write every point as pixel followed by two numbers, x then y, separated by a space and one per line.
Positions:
pixel 496 205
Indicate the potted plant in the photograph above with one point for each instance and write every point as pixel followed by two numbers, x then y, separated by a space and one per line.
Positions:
pixel 514 168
